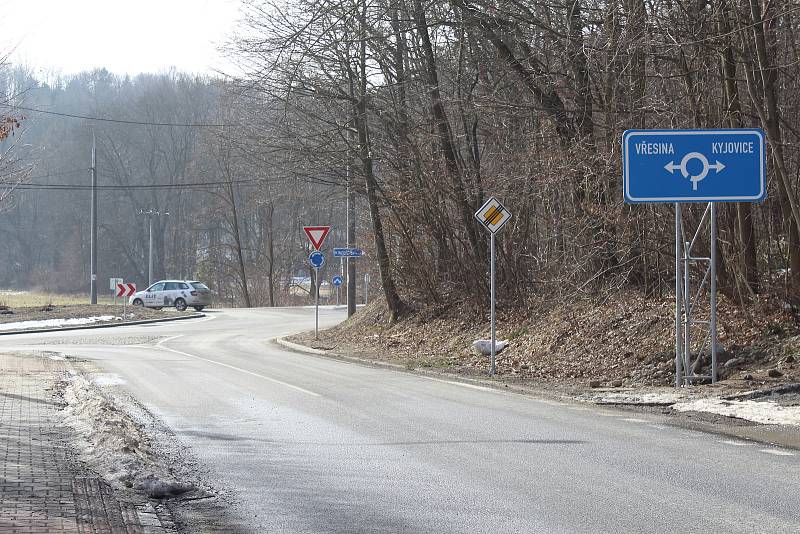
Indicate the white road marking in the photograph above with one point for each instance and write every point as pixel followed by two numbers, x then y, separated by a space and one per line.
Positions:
pixel 658 427
pixel 734 443
pixel 634 420
pixel 552 403
pixel 168 339
pixel 464 385
pixel 578 409
pixel 777 452
pixel 608 414
pixel 239 369
pixel 169 324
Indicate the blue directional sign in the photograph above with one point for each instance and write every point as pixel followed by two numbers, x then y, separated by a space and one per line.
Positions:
pixel 337 281
pixel 347 253
pixel 694 165
pixel 316 259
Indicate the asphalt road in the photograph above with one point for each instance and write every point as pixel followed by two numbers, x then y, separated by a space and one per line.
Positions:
pixel 308 444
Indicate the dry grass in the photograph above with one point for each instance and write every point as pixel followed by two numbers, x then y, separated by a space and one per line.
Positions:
pixel 31 299
pixel 628 339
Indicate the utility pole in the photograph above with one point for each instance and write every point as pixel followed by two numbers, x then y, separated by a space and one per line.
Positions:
pixel 150 214
pixel 150 252
pixel 93 242
pixel 351 237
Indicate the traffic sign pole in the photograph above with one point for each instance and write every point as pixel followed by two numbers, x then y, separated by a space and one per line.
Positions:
pixel 317 260
pixel 678 299
pixel 493 370
pixel 493 216
pixel 713 318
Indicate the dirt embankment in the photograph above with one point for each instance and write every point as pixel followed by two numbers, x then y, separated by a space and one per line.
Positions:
pixel 101 312
pixel 627 341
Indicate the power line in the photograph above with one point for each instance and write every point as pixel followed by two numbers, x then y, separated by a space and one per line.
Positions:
pixel 122 187
pixel 117 121
pixel 51 174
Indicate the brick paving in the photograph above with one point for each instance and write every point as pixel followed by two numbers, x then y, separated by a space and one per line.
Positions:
pixel 43 487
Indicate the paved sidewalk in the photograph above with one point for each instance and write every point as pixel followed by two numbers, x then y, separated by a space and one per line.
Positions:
pixel 43 487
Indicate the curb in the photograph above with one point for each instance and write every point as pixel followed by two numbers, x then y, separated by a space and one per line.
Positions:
pixel 300 348
pixel 101 325
pixel 780 436
pixel 485 383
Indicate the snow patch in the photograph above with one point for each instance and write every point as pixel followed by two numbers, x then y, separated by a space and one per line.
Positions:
pixel 107 380
pixel 55 323
pixel 113 443
pixel 765 412
pixel 12 292
pixel 651 399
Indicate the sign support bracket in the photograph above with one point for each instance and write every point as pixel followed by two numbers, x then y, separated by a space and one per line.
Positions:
pixel 686 302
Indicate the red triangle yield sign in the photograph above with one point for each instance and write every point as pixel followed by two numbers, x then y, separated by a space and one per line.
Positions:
pixel 317 235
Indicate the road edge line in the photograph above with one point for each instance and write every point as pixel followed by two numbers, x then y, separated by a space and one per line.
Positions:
pixel 235 368
pixel 422 373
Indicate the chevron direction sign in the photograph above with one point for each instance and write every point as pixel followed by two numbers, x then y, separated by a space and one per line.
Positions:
pixel 126 290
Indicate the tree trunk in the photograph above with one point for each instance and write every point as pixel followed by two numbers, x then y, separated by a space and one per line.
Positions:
pixel 580 71
pixel 548 99
pixel 463 202
pixel 771 120
pixel 238 244
pixel 744 213
pixel 395 304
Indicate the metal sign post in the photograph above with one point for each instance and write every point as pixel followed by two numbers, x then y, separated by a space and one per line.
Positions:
pixel 688 299
pixel 317 260
pixel 113 283
pixel 679 166
pixel 493 368
pixel 493 216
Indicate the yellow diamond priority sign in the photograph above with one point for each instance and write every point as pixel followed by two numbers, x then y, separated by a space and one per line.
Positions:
pixel 493 215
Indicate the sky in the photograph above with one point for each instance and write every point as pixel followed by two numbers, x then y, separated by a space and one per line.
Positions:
pixel 124 36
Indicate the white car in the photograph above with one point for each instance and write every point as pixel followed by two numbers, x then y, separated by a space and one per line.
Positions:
pixel 178 293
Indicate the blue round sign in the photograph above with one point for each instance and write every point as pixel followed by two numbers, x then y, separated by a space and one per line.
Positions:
pixel 337 280
pixel 316 259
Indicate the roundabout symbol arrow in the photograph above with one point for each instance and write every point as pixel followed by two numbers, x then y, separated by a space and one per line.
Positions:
pixel 671 167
